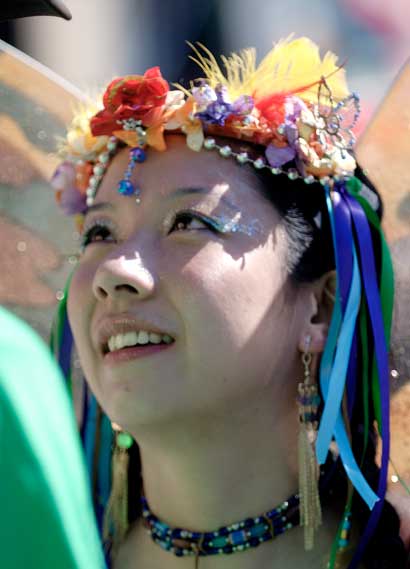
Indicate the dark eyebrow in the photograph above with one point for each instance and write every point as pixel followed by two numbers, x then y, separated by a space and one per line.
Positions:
pixel 198 190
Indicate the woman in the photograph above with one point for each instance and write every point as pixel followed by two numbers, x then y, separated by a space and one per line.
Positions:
pixel 205 301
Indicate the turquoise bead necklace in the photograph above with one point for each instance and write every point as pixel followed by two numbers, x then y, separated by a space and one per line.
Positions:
pixel 239 536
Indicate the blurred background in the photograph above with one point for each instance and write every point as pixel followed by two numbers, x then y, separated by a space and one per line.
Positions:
pixel 104 39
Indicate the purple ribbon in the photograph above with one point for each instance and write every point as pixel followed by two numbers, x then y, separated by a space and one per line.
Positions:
pixel 66 346
pixel 376 318
pixel 343 246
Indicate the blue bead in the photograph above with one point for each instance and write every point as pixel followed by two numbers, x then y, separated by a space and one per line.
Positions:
pixel 138 155
pixel 238 537
pixel 223 531
pixel 125 188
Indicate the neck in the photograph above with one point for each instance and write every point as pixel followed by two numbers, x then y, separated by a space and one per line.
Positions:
pixel 220 470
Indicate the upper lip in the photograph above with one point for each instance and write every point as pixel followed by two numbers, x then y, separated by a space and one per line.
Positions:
pixel 111 325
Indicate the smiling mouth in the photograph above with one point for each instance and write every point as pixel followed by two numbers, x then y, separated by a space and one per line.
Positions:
pixel 137 339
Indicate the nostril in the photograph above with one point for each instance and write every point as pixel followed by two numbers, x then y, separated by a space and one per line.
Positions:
pixel 101 293
pixel 127 288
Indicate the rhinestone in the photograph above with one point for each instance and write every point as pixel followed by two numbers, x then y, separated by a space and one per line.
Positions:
pixel 259 163
pixel 275 171
pixel 90 201
pixel 225 151
pixel 242 157
pixel 138 155
pixel 309 179
pixel 292 174
pixel 93 182
pixel 112 145
pixel 138 200
pixel 209 143
pixel 125 188
pixel 90 192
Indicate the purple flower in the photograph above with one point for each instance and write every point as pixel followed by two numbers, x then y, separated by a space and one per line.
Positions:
pixel 278 156
pixel 243 106
pixel 217 111
pixel 293 108
pixel 70 199
pixel 204 94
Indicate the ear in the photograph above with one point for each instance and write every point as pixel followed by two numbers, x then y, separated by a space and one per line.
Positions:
pixel 320 300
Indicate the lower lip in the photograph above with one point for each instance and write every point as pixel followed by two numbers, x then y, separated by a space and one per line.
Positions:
pixel 127 354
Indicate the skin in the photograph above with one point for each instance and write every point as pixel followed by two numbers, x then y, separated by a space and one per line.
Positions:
pixel 215 415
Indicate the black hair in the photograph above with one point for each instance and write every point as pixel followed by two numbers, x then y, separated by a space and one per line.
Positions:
pixel 304 215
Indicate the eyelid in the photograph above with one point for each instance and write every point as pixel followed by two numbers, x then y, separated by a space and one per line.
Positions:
pixel 99 221
pixel 212 223
pixel 103 222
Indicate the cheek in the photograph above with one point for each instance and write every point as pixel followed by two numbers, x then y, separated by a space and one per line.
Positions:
pixel 233 306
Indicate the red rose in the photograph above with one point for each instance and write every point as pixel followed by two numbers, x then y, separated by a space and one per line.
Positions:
pixel 140 97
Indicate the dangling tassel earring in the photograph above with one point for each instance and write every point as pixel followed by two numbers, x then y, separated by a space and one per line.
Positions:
pixel 308 400
pixel 116 513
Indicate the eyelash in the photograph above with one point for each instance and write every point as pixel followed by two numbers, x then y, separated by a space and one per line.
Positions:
pixel 104 226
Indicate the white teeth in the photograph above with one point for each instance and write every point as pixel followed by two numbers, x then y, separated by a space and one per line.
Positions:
pixel 131 338
pixel 142 337
pixel 111 344
pixel 154 338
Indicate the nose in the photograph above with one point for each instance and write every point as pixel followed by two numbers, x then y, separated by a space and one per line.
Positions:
pixel 122 278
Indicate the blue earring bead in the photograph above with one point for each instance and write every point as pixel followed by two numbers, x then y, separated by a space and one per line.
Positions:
pixel 239 536
pixel 125 186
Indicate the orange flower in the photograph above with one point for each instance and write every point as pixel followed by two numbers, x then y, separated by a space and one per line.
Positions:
pixel 184 119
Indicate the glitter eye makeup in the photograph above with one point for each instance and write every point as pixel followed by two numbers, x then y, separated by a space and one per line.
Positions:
pixel 224 224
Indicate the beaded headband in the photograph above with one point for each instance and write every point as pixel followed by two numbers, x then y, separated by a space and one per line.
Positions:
pixel 294 104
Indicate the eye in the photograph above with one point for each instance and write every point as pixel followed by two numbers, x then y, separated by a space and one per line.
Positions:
pixel 98 233
pixel 189 221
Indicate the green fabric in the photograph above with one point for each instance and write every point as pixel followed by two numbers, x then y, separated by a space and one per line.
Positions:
pixel 46 517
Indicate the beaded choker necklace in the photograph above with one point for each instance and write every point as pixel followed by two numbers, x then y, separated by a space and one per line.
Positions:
pixel 239 536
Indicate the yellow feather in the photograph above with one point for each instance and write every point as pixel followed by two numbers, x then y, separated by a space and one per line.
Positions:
pixel 291 65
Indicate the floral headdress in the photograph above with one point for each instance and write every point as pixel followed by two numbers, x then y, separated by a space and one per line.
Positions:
pixel 297 107
pixel 293 103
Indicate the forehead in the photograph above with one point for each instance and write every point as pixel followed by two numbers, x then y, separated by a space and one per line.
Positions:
pixel 163 173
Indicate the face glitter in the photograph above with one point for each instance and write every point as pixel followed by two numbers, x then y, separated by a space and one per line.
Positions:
pixel 232 225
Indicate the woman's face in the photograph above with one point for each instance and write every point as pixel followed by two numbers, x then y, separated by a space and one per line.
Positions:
pixel 223 297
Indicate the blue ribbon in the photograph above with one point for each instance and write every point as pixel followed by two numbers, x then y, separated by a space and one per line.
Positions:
pixel 337 354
